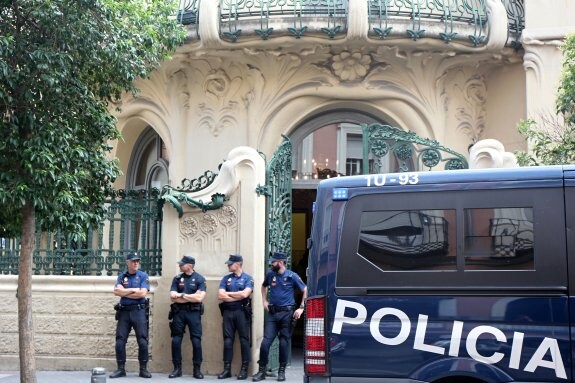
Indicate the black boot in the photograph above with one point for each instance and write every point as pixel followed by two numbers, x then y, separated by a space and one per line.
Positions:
pixel 227 373
pixel 282 373
pixel 144 373
pixel 120 372
pixel 197 373
pixel 243 375
pixel 261 375
pixel 177 371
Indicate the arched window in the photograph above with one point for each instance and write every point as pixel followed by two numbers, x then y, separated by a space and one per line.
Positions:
pixel 147 173
pixel 148 166
pixel 331 145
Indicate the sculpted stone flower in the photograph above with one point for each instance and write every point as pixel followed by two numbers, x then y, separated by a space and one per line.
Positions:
pixel 351 66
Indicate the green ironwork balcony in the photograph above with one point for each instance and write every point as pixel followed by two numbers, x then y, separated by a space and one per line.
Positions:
pixel 280 17
pixel 188 12
pixel 462 21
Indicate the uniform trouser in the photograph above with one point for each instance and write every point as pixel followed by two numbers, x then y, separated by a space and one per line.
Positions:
pixel 236 320
pixel 276 324
pixel 193 320
pixel 127 320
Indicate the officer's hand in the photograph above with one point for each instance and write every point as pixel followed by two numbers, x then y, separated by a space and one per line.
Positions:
pixel 297 314
pixel 266 306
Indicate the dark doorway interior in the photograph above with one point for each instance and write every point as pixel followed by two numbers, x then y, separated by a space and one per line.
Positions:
pixel 302 202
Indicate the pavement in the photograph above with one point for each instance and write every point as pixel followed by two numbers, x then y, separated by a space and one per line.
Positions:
pixel 294 374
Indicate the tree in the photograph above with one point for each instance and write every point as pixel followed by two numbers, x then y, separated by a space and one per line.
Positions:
pixel 62 64
pixel 553 142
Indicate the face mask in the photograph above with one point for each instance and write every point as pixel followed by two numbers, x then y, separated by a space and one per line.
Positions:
pixel 276 268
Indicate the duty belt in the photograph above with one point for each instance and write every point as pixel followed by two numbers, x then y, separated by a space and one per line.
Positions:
pixel 232 307
pixel 280 308
pixel 188 306
pixel 141 306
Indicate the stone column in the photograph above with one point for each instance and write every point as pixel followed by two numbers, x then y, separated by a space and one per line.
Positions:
pixel 238 227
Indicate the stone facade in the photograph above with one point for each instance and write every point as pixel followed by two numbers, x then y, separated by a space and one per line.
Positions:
pixel 216 101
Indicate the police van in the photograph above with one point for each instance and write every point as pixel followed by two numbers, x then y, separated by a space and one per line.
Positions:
pixel 446 277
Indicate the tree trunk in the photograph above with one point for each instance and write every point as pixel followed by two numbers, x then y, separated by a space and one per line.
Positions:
pixel 25 323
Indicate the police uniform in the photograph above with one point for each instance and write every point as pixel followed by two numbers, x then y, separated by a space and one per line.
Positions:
pixel 236 317
pixel 131 313
pixel 281 307
pixel 187 314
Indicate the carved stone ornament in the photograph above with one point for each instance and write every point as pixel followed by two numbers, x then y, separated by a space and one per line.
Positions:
pixel 209 224
pixel 228 215
pixel 189 226
pixel 350 66
pixel 472 105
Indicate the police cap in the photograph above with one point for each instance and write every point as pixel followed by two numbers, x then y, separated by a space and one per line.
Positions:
pixel 278 256
pixel 234 258
pixel 132 256
pixel 187 259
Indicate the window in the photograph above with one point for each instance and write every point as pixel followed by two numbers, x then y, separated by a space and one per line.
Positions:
pixel 499 239
pixel 465 240
pixel 408 240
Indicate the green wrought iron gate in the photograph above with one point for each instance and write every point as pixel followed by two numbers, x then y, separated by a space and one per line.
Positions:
pixel 387 149
pixel 278 216
pixel 133 223
pixel 278 200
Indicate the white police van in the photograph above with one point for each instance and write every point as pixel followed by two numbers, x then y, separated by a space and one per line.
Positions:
pixel 444 277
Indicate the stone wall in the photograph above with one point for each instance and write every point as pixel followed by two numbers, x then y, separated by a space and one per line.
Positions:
pixel 74 322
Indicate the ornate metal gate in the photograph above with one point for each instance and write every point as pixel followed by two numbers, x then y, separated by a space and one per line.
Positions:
pixel 278 200
pixel 133 223
pixel 278 216
pixel 389 149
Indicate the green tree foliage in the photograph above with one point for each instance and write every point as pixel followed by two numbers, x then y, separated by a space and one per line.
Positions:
pixel 553 142
pixel 62 62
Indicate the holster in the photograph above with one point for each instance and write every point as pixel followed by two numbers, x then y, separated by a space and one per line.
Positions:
pixel 117 308
pixel 247 308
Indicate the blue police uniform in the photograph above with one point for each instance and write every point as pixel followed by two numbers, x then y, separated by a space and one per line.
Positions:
pixel 187 314
pixel 281 306
pixel 236 316
pixel 132 314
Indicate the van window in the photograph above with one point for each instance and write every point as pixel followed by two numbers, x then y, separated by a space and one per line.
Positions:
pixel 408 239
pixel 499 239
pixel 452 240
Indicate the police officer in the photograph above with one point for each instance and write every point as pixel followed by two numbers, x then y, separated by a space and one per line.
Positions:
pixel 132 286
pixel 187 293
pixel 281 284
pixel 234 293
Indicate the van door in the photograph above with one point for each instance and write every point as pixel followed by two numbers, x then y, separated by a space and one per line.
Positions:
pixel 459 282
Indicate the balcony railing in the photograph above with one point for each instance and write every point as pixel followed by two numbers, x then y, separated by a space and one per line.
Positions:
pixel 464 21
pixel 297 17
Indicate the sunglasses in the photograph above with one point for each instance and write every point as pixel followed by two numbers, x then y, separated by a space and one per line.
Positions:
pixel 135 260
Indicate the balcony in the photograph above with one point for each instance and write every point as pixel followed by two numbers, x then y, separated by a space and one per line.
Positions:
pixel 469 24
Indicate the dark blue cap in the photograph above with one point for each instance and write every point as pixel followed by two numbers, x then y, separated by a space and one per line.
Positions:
pixel 132 256
pixel 234 258
pixel 277 256
pixel 187 259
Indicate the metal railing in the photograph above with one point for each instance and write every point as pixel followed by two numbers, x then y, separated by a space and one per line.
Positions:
pixel 447 20
pixel 325 16
pixel 133 224
pixel 408 18
pixel 516 17
pixel 188 12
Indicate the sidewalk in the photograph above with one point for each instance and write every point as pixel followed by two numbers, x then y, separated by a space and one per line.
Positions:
pixel 294 374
